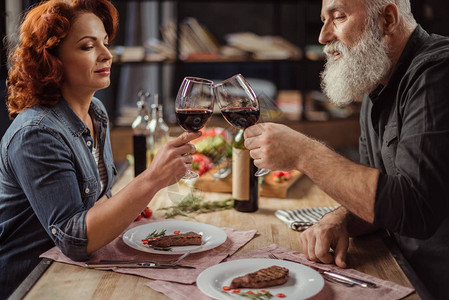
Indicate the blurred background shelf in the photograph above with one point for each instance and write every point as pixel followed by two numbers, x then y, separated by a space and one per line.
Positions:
pixel 289 83
pixel 273 42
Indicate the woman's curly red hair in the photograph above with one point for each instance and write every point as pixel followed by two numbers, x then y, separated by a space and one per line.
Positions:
pixel 36 73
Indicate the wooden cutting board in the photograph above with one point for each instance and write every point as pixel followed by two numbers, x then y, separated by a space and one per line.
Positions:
pixel 269 188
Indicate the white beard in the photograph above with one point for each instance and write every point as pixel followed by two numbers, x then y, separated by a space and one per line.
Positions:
pixel 358 71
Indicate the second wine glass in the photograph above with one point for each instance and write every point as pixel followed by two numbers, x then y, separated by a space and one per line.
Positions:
pixel 194 106
pixel 239 105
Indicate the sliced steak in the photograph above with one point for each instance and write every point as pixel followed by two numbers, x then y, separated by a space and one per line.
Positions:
pixel 270 276
pixel 183 239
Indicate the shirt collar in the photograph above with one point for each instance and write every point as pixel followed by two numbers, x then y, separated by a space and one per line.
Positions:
pixel 65 113
pixel 415 41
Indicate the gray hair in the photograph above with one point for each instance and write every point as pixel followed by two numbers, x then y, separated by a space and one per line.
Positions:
pixel 375 8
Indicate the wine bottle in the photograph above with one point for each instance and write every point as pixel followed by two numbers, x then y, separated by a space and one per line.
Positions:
pixel 140 134
pixel 244 182
pixel 157 127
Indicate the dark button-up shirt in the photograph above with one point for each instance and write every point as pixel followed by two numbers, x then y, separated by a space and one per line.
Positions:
pixel 405 134
pixel 48 181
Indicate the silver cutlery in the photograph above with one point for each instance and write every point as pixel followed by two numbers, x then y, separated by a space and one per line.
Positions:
pixel 336 277
pixel 136 265
pixel 140 263
pixel 167 262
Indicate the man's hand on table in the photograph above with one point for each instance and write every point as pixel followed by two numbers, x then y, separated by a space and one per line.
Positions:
pixel 329 233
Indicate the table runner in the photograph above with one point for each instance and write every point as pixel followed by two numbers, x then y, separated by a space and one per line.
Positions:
pixel 386 290
pixel 118 250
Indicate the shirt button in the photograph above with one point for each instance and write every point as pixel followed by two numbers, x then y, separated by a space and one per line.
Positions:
pixel 87 190
pixel 89 143
pixel 54 231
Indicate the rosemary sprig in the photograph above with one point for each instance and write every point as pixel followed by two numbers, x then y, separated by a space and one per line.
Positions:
pixel 155 233
pixel 193 203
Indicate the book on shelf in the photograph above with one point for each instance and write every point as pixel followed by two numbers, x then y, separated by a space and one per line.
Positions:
pixel 295 51
pixel 128 53
pixel 160 47
pixel 168 33
pixel 231 51
pixel 264 47
pixel 202 35
pixel 197 43
pixel 318 107
pixel 290 104
pixel 315 52
pixel 194 39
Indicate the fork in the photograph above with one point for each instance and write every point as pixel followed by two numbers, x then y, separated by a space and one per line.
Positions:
pixel 175 261
pixel 272 256
pixel 167 262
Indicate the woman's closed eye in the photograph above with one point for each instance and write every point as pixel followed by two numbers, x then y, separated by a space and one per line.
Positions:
pixel 87 47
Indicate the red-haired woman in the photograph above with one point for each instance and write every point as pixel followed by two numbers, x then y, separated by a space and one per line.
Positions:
pixel 56 166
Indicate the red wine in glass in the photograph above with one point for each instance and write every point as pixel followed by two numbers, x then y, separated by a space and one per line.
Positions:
pixel 238 104
pixel 241 117
pixel 192 119
pixel 194 106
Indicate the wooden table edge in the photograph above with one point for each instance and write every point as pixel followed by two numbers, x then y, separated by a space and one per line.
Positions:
pixel 28 283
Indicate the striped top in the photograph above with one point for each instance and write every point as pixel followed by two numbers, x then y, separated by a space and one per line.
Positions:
pixel 101 167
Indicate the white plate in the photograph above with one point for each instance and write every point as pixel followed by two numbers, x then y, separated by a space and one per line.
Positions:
pixel 212 236
pixel 303 282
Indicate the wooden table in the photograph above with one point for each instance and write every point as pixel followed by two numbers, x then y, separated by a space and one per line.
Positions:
pixel 367 254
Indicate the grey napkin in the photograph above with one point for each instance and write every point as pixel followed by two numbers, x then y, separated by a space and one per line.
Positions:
pixel 303 218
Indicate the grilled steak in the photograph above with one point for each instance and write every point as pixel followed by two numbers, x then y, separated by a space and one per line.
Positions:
pixel 270 276
pixel 183 239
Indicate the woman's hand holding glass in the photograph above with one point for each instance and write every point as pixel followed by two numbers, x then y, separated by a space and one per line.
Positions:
pixel 194 106
pixel 172 159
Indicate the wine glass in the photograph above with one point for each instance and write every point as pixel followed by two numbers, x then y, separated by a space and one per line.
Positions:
pixel 194 106
pixel 238 104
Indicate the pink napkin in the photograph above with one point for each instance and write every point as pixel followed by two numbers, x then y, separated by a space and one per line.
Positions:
pixel 118 250
pixel 386 290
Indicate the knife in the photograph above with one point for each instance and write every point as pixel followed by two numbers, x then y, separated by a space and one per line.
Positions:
pixel 349 279
pixel 135 265
pixel 340 278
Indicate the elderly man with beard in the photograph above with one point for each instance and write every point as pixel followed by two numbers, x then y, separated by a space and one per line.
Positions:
pixel 376 51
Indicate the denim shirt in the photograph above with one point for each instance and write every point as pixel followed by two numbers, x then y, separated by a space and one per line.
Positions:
pixel 48 182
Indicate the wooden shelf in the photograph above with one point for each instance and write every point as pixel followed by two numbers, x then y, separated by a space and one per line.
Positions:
pixel 205 60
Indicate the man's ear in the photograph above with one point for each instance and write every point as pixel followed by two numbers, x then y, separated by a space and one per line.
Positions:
pixel 390 18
